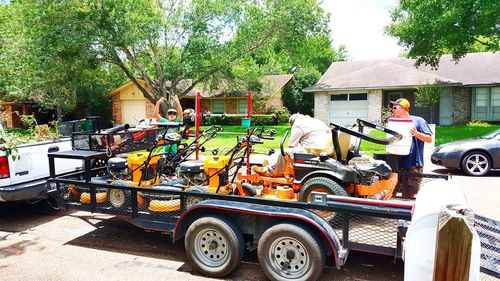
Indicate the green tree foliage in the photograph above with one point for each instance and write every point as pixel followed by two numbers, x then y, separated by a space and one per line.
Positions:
pixel 44 57
pixel 429 29
pixel 428 95
pixel 162 42
pixel 293 97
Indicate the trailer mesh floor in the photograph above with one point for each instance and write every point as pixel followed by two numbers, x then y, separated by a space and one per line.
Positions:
pixel 489 235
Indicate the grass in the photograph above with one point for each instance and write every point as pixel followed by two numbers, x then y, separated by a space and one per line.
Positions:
pixel 444 134
pixel 225 140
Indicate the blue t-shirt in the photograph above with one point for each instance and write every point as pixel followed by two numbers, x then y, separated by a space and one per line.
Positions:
pixel 416 156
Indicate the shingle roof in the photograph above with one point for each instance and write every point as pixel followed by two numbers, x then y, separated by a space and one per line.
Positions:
pixel 473 69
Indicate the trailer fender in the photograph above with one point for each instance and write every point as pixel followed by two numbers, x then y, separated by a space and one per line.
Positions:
pixel 327 234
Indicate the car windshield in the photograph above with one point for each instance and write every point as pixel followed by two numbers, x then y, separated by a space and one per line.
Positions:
pixel 491 134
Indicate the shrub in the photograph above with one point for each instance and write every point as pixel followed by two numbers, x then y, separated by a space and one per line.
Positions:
pixel 478 123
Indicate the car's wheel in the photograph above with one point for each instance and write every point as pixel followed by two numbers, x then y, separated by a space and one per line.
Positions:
pixel 290 252
pixel 193 200
pixel 476 163
pixel 214 245
pixel 321 184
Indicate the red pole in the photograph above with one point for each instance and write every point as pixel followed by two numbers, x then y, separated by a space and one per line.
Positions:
pixel 249 114
pixel 197 120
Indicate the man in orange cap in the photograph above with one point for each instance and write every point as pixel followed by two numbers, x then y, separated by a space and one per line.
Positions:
pixel 412 163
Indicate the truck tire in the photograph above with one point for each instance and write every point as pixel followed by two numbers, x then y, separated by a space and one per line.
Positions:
pixel 321 184
pixel 214 245
pixel 290 252
pixel 193 200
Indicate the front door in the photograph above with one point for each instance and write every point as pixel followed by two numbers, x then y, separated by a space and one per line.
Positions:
pixel 445 107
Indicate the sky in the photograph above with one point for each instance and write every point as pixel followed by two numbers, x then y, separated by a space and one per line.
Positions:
pixel 359 25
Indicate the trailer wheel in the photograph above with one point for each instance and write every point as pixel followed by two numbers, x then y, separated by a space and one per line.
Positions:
pixel 214 245
pixel 193 200
pixel 321 184
pixel 290 252
pixel 119 198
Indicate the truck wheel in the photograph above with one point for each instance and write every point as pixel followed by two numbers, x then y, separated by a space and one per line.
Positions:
pixel 214 245
pixel 290 252
pixel 321 184
pixel 193 200
pixel 119 198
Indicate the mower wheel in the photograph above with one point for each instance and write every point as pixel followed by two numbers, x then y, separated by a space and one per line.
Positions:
pixel 321 184
pixel 193 200
pixel 214 245
pixel 119 198
pixel 248 190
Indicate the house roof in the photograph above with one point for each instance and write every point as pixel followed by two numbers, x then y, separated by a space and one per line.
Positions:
pixel 275 82
pixel 473 69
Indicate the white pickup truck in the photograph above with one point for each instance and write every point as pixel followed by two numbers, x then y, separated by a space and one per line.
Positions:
pixel 26 177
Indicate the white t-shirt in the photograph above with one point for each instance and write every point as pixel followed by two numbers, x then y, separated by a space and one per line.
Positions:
pixel 309 132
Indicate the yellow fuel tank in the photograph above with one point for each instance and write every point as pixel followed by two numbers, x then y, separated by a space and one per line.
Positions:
pixel 212 165
pixel 136 159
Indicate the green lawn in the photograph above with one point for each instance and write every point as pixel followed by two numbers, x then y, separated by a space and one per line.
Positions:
pixel 444 134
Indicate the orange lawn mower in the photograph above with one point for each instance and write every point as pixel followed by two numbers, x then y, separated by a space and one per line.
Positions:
pixel 320 170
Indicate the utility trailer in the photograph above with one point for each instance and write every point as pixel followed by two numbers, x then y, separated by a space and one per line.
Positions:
pixel 293 239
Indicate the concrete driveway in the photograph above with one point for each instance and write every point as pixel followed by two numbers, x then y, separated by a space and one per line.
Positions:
pixel 483 193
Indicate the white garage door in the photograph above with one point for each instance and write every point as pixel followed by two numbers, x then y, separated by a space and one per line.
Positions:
pixel 346 108
pixel 133 111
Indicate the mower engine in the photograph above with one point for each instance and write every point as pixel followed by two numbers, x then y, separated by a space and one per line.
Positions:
pixel 192 172
pixel 117 167
pixel 375 178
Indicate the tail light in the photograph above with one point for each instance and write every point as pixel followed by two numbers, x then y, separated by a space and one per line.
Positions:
pixel 4 167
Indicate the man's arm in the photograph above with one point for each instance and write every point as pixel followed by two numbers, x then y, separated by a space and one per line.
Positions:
pixel 180 114
pixel 156 111
pixel 421 136
pixel 295 136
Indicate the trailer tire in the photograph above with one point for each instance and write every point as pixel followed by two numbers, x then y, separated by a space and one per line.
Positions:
pixel 214 245
pixel 288 251
pixel 321 184
pixel 193 200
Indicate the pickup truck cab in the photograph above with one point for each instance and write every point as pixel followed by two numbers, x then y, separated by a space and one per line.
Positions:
pixel 26 178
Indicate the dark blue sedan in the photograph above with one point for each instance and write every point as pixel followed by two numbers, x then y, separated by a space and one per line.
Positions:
pixel 476 157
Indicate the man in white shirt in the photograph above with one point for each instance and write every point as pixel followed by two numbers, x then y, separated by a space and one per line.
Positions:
pixel 307 132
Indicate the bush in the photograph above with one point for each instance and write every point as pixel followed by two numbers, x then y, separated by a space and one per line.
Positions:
pixel 280 115
pixel 478 123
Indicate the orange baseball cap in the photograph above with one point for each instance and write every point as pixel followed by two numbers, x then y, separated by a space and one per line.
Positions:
pixel 402 102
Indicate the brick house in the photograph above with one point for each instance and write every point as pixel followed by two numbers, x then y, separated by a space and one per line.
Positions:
pixel 361 89
pixel 129 104
pixel 11 111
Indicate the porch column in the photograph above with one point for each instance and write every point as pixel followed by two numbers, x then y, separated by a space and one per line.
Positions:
pixel 375 106
pixel 322 107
